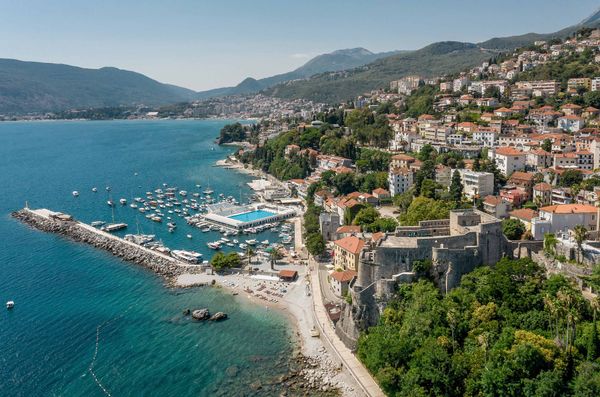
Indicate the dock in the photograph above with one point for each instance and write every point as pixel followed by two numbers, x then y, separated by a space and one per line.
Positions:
pixel 65 225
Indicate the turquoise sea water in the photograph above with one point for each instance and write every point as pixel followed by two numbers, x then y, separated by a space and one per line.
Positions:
pixel 69 296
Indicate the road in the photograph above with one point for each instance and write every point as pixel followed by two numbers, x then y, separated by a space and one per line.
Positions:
pixel 349 360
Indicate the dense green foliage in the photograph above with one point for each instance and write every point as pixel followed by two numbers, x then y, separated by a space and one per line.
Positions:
pixel 423 208
pixel 513 229
pixel 315 244
pixel 225 261
pixel 505 331
pixel 371 221
pixel 421 101
pixel 232 133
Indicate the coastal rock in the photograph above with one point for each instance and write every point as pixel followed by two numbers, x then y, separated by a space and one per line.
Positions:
pixel 187 312
pixel 232 371
pixel 200 314
pixel 218 316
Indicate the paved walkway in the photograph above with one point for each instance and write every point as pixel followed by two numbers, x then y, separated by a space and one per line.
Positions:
pixel 349 360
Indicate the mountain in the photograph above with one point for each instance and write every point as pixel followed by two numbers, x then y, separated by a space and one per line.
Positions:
pixel 433 60
pixel 44 87
pixel 330 62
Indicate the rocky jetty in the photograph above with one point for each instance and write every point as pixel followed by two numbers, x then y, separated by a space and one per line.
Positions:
pixel 160 264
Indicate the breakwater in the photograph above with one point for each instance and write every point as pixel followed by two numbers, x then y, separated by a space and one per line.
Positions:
pixel 55 222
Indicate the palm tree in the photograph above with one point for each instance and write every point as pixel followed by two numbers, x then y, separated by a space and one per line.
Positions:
pixel 580 234
pixel 550 242
pixel 274 256
pixel 250 253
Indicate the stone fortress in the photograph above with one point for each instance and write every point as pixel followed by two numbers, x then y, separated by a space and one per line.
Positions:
pixel 455 246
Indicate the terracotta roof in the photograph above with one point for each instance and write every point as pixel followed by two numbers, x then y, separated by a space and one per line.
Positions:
pixel 571 117
pixel 571 106
pixel 528 176
pixel 343 277
pixel 508 151
pixel 570 209
pixel 351 244
pixel 526 214
pixel 400 171
pixel 426 117
pixel 380 191
pixel 348 229
pixel 542 187
pixel 492 200
pixel 403 157
pixel 376 236
pixel 288 273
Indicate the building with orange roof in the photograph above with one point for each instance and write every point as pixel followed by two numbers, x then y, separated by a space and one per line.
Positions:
pixel 524 215
pixel 340 280
pixel 495 206
pixel 401 160
pixel 542 193
pixel 346 252
pixel 347 230
pixel 563 218
pixel 508 159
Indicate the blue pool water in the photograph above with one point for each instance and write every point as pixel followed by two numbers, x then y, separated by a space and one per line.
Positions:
pixel 71 298
pixel 251 216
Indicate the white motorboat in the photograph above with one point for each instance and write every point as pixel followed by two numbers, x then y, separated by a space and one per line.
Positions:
pixel 110 203
pixel 123 201
pixel 75 193
pixel 94 189
pixel 215 245
pixel 252 242
pixel 187 256
pixel 188 236
pixel 10 305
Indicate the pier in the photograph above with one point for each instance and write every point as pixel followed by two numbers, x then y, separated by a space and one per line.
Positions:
pixel 65 225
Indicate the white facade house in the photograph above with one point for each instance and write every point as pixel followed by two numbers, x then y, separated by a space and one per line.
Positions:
pixel 508 159
pixel 400 180
pixel 562 218
pixel 596 84
pixel 485 138
pixel 570 123
pixel 477 183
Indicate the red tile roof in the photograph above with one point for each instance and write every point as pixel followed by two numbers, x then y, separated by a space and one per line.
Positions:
pixel 351 244
pixel 343 277
pixel 570 209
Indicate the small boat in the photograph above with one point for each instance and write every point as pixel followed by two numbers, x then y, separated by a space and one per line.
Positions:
pixel 133 205
pixel 97 223
pixel 188 236
pixel 252 242
pixel 114 227
pixel 10 305
pixel 108 188
pixel 214 245
pixel 243 246
pixel 94 189
pixel 123 201
pixel 183 193
pixel 265 242
pixel 205 230
pixel 110 203
pixel 208 191
pixel 75 193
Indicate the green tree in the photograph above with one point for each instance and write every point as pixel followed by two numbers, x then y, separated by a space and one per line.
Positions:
pixel 513 229
pixel 315 244
pixel 225 261
pixel 547 145
pixel 580 234
pixel 550 242
pixel 366 216
pixel 456 187
pixel 423 208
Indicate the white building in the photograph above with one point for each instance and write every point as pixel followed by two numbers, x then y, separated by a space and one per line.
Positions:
pixel 596 84
pixel 570 123
pixel 485 138
pixel 508 159
pixel 400 180
pixel 562 218
pixel 477 183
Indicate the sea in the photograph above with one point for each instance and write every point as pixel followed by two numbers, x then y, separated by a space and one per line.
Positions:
pixel 86 323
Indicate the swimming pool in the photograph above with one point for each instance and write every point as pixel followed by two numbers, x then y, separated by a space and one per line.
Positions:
pixel 251 216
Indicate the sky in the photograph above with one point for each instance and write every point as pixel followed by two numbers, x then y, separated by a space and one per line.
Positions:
pixel 201 44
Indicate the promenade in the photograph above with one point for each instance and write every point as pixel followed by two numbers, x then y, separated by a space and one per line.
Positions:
pixel 348 359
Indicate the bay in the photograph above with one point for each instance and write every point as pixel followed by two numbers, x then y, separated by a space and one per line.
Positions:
pixel 71 298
